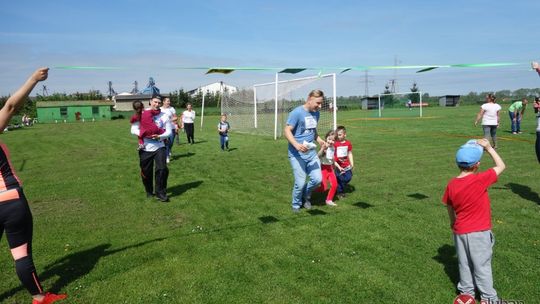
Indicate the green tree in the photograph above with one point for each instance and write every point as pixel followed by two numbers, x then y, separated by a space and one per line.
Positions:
pixel 387 100
pixel 414 96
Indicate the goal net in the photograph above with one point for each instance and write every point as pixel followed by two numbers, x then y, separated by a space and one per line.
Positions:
pixel 264 108
pixel 405 104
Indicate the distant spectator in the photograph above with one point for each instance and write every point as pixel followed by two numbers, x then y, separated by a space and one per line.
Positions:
pixel 188 123
pixel 489 113
pixel 516 112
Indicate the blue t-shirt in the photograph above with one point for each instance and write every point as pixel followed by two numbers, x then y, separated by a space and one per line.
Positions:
pixel 304 127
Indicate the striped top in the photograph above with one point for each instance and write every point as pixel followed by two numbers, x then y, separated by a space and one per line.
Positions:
pixel 8 178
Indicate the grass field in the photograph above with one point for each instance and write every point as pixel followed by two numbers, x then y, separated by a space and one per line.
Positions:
pixel 229 236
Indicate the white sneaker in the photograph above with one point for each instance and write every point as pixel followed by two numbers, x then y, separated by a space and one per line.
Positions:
pixel 168 160
pixel 330 203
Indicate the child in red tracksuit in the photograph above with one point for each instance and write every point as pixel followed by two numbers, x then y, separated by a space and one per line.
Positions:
pixel 326 155
pixel 145 118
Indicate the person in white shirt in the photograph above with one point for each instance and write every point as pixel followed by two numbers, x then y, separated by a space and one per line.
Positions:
pixel 489 113
pixel 188 121
pixel 171 112
pixel 155 152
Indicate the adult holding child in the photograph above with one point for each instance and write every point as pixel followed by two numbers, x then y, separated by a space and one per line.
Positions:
pixel 301 133
pixel 154 153
pixel 516 112
pixel 15 216
pixel 489 113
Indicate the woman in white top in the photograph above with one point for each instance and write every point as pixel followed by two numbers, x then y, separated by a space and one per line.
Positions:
pixel 188 121
pixel 489 113
pixel 171 112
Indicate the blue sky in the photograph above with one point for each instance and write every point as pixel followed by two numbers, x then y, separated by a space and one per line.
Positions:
pixel 150 37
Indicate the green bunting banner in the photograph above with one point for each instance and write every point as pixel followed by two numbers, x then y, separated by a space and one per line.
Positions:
pixel 289 70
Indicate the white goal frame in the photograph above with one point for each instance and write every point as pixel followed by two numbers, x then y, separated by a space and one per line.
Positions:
pixel 399 93
pixel 276 98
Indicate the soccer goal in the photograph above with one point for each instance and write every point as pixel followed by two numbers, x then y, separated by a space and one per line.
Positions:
pixel 264 108
pixel 398 105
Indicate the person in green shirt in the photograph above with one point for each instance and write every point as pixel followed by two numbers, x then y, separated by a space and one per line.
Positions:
pixel 516 111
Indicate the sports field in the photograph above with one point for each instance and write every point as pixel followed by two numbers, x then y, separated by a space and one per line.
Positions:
pixel 229 236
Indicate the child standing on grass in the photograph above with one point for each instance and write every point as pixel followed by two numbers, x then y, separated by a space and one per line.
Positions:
pixel 344 161
pixel 223 129
pixel 469 209
pixel 326 155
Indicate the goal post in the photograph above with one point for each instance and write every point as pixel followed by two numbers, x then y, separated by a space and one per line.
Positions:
pixel 399 102
pixel 264 108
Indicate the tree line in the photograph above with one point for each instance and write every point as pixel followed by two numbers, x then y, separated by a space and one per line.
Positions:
pixel 179 98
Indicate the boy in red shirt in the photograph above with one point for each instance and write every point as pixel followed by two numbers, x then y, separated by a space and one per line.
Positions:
pixel 469 210
pixel 344 161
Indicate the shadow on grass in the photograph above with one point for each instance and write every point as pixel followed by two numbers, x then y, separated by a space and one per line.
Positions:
pixel 446 255
pixel 74 266
pixel 418 196
pixel 349 188
pixel 525 192
pixel 362 205
pixel 22 165
pixel 268 219
pixel 318 198
pixel 177 156
pixel 316 212
pixel 199 142
pixel 179 189
pixel 232 149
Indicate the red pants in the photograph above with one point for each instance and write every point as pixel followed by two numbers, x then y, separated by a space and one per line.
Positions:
pixel 328 175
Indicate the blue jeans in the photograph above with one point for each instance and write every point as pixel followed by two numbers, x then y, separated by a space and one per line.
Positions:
pixel 304 165
pixel 170 142
pixel 224 141
pixel 515 124
pixel 343 180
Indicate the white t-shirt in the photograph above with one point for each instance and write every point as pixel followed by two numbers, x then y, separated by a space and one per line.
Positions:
pixel 490 114
pixel 188 116
pixel 171 112
pixel 328 157
pixel 162 121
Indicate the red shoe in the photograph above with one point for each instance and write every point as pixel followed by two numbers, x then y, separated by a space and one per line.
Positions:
pixel 50 298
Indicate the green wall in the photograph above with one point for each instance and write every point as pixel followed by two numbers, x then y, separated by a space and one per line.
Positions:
pixel 53 114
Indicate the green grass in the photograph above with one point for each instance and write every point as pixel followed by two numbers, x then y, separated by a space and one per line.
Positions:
pixel 228 234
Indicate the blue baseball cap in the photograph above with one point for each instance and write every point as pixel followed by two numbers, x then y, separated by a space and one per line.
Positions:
pixel 469 154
